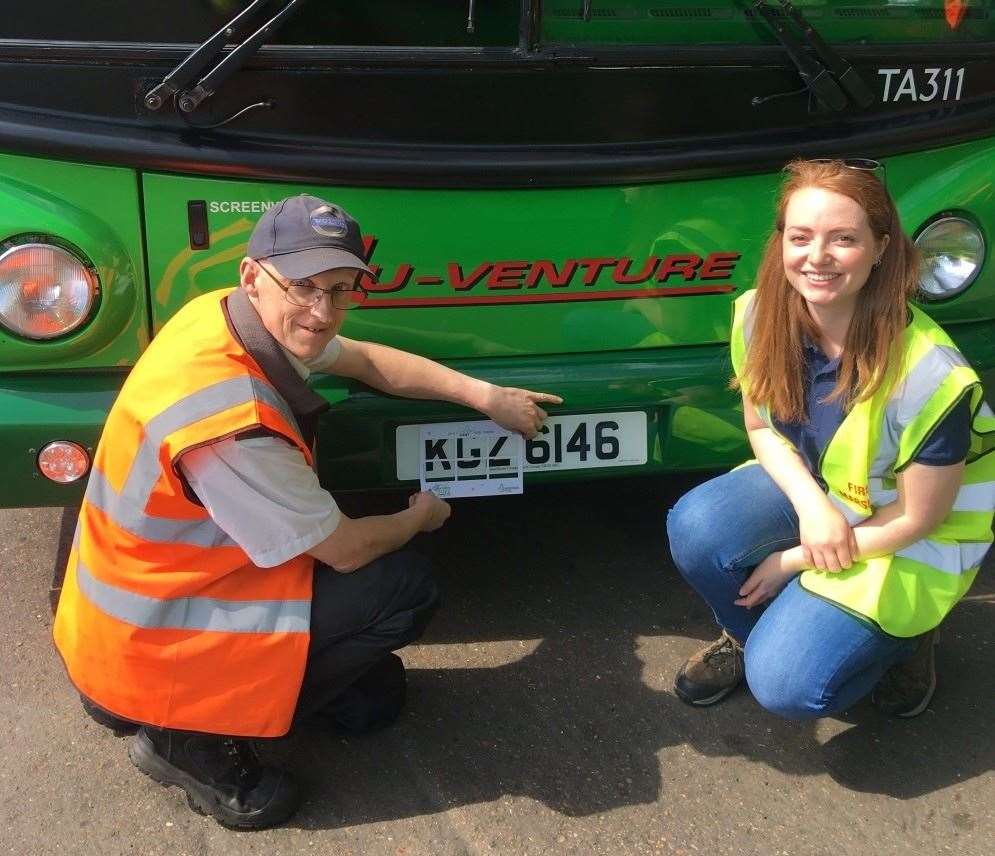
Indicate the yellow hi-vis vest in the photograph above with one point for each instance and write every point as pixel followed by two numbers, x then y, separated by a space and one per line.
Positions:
pixel 910 591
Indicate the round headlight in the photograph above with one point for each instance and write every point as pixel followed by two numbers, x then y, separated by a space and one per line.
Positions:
pixel 45 291
pixel 953 250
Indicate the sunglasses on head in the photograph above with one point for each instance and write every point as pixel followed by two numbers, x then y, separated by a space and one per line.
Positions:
pixel 867 164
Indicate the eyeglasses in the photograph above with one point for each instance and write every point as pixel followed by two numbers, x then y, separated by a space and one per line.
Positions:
pixel 303 292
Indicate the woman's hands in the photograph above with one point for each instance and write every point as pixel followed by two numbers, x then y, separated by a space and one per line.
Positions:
pixel 767 579
pixel 827 539
pixel 770 576
pixel 828 543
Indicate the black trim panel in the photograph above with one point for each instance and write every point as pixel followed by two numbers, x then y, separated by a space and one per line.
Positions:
pixel 494 119
pixel 118 144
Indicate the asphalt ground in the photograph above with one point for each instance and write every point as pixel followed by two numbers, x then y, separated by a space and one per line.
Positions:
pixel 541 720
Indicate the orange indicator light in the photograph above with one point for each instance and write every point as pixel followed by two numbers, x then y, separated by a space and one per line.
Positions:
pixel 954 10
pixel 63 462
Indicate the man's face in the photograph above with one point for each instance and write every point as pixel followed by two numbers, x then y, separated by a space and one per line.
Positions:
pixel 303 330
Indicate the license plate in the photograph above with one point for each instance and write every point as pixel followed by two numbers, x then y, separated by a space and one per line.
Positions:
pixel 578 442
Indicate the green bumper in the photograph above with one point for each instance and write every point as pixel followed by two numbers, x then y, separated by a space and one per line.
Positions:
pixel 694 422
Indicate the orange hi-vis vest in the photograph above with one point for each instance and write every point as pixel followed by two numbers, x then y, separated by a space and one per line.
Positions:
pixel 163 619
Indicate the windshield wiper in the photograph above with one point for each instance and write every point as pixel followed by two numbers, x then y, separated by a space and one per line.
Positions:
pixel 190 85
pixel 816 76
pixel 845 74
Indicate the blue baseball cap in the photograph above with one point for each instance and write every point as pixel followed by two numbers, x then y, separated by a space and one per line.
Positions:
pixel 303 235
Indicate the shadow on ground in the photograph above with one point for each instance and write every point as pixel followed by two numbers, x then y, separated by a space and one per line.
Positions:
pixel 571 622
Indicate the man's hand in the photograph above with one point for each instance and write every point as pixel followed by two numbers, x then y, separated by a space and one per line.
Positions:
pixel 517 409
pixel 827 538
pixel 407 375
pixel 767 579
pixel 434 511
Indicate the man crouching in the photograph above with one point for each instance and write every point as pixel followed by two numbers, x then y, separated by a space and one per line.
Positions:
pixel 215 592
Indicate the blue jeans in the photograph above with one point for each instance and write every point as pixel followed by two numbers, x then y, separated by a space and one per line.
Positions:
pixel 805 657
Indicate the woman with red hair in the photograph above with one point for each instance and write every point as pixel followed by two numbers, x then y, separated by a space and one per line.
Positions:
pixel 830 560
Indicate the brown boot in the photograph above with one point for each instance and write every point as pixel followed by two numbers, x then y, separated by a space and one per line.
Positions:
pixel 907 688
pixel 711 674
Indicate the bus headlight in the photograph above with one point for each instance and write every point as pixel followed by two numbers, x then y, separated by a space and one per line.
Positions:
pixel 953 250
pixel 46 291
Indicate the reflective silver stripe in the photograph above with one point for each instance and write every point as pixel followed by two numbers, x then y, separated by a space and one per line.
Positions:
pixel 949 558
pixel 880 495
pixel 976 497
pixel 206 402
pixel 748 321
pixel 908 400
pixel 195 613
pixel 970 497
pixel 201 533
pixel 883 497
pixel 954 357
pixel 127 509
pixel 852 517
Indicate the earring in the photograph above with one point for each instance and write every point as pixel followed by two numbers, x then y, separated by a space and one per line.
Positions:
pixel 877 263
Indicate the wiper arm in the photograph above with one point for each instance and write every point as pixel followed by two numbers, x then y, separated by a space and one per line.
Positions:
pixel 817 78
pixel 844 73
pixel 178 81
pixel 210 82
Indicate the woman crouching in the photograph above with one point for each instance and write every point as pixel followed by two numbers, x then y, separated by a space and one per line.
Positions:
pixel 831 559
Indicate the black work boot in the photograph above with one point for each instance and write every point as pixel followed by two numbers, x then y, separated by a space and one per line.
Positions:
pixel 907 688
pixel 372 702
pixel 710 675
pixel 221 775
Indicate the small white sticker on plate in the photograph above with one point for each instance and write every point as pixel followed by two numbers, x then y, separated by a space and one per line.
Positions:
pixel 458 459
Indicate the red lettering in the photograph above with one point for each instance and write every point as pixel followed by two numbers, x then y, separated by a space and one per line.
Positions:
pixel 369 280
pixel 621 275
pixel 545 268
pixel 719 265
pixel 594 267
pixel 856 500
pixel 680 264
pixel 507 274
pixel 461 283
pixel 400 279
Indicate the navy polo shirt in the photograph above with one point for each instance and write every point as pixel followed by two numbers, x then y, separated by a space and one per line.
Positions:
pixel 947 444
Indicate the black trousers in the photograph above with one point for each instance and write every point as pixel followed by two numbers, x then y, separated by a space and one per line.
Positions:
pixel 358 618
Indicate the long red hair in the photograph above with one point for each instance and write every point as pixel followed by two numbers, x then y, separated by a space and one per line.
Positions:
pixel 781 322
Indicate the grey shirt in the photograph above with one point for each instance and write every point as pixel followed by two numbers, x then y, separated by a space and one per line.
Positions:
pixel 261 490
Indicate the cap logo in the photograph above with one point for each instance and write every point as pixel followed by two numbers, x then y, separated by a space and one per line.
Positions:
pixel 326 222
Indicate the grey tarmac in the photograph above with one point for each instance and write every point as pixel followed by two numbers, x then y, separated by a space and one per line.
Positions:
pixel 541 719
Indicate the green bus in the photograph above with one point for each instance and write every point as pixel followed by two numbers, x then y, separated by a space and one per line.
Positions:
pixel 564 196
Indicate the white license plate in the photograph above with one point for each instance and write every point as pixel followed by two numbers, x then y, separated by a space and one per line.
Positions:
pixel 579 442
